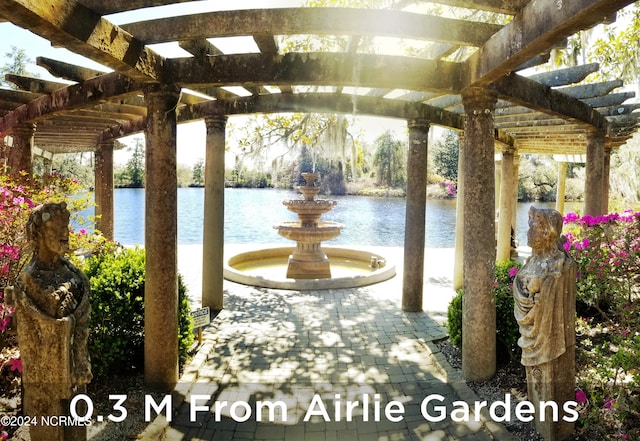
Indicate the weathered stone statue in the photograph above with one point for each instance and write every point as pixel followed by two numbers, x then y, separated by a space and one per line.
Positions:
pixel 544 294
pixel 52 313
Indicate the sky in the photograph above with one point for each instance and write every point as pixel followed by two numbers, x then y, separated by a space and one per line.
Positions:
pixel 190 136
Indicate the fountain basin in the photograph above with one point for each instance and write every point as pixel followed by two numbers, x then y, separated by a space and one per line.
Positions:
pixel 267 267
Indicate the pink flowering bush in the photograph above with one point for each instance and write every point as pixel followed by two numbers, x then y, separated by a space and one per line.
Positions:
pixel 19 193
pixel 607 252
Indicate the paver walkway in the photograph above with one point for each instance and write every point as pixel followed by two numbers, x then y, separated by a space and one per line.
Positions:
pixel 309 356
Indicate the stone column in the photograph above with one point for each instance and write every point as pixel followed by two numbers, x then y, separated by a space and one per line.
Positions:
pixel 478 304
pixel 514 193
pixel 562 186
pixel 414 232
pixel 594 184
pixel 104 188
pixel 497 185
pixel 161 239
pixel 507 201
pixel 19 157
pixel 459 251
pixel 606 179
pixel 213 234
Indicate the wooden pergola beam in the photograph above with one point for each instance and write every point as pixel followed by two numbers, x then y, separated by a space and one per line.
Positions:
pixel 568 75
pixel 509 7
pixel 71 24
pixel 339 21
pixel 530 93
pixel 323 102
pixel 358 70
pixel 591 90
pixel 112 6
pixel 539 25
pixel 91 92
pixel 68 71
pixel 34 85
pixel 200 47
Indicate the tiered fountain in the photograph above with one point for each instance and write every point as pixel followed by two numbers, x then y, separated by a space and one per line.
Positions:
pixel 308 260
pixel 308 265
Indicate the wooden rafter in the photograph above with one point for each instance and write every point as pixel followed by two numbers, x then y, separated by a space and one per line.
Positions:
pixel 71 24
pixel 539 25
pixel 339 21
pixel 381 71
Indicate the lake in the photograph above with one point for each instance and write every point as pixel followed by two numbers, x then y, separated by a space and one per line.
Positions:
pixel 250 215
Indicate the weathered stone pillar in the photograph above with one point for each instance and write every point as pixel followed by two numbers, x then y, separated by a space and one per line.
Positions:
pixel 213 234
pixel 478 304
pixel 562 186
pixel 514 193
pixel 497 185
pixel 507 201
pixel 606 179
pixel 19 157
pixel 459 244
pixel 104 188
pixel 594 184
pixel 414 232
pixel 161 239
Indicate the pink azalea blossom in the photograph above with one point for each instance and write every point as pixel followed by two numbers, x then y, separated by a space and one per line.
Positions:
pixel 15 364
pixel 608 402
pixel 581 397
pixel 513 271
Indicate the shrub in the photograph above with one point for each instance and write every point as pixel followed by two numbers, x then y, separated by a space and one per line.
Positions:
pixel 507 332
pixel 116 342
pixel 19 193
pixel 607 253
pixel 454 319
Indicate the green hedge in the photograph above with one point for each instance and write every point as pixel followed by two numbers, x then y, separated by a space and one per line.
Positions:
pixel 507 332
pixel 116 342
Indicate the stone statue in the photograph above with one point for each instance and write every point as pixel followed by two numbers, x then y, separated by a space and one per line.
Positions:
pixel 544 307
pixel 52 313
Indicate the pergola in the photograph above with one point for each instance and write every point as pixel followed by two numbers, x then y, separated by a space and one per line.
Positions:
pixel 481 95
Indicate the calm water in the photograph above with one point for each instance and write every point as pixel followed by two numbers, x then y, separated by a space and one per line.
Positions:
pixel 250 215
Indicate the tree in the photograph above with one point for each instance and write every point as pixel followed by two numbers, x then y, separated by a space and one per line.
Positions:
pixel 78 166
pixel 625 164
pixel 445 156
pixel 135 165
pixel 327 136
pixel 17 61
pixel 389 160
pixel 197 175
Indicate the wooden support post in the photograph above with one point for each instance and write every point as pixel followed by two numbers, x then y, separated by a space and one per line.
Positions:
pixel 478 304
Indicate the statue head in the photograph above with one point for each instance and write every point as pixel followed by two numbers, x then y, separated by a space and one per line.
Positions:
pixel 545 228
pixel 48 229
